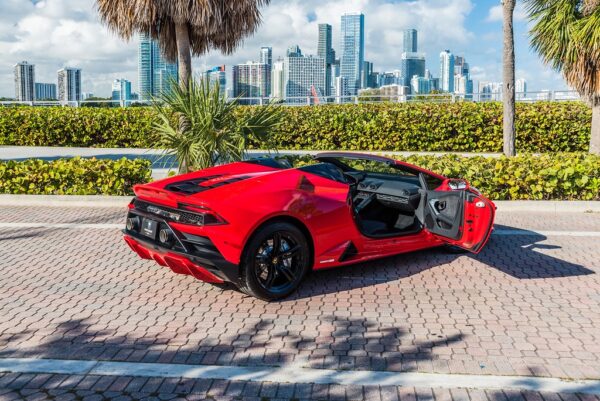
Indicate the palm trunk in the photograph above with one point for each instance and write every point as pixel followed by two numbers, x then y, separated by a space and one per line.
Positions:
pixel 184 56
pixel 508 86
pixel 595 138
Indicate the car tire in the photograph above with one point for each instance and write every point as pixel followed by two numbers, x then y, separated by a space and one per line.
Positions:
pixel 270 274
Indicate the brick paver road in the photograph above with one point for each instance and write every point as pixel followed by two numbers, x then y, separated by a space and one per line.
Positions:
pixel 527 305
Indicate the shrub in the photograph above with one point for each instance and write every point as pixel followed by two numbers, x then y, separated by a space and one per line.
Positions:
pixel 559 176
pixel 73 176
pixel 83 126
pixel 415 126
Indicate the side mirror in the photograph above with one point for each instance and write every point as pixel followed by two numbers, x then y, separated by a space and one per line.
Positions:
pixel 457 184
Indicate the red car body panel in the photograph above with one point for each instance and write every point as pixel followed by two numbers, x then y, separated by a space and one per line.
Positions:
pixel 245 195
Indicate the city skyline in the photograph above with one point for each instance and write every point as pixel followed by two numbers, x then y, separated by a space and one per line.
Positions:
pixel 382 39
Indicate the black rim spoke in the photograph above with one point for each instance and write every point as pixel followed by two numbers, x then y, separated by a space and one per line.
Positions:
pixel 270 277
pixel 276 261
pixel 287 272
pixel 290 252
pixel 276 244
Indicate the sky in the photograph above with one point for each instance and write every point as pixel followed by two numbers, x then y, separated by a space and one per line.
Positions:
pixel 55 33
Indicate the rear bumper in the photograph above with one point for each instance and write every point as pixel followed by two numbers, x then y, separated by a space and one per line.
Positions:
pixel 188 254
pixel 178 263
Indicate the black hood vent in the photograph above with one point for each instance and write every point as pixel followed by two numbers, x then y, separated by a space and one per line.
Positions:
pixel 194 186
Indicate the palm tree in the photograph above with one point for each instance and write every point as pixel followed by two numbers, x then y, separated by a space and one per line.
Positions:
pixel 508 72
pixel 566 33
pixel 182 27
pixel 201 128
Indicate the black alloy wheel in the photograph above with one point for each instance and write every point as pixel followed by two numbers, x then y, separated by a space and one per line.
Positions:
pixel 276 260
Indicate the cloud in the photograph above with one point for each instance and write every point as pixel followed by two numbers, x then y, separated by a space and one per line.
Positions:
pixel 495 13
pixel 55 33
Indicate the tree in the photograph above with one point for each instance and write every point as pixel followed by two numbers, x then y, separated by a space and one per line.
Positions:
pixel 184 28
pixel 566 34
pixel 508 77
pixel 201 128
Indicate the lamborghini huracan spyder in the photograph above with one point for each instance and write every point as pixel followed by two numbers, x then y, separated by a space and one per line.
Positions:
pixel 262 225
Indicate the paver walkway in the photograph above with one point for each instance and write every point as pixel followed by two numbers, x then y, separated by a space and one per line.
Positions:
pixel 527 305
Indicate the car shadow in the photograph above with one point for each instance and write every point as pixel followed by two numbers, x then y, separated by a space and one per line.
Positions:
pixel 516 252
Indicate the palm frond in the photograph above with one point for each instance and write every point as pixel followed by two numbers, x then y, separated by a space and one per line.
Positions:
pixel 201 128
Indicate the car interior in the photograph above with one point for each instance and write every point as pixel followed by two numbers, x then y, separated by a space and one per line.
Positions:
pixel 385 199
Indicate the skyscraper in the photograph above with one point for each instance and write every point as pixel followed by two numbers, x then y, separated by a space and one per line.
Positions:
pixel 266 55
pixel 69 84
pixel 154 72
pixel 420 85
pixel 353 52
pixel 251 80
pixel 304 77
pixel 325 51
pixel 447 71
pixel 278 80
pixel 368 78
pixel 293 51
pixel 217 75
pixel 24 82
pixel 121 90
pixel 410 41
pixel 411 64
pixel 45 91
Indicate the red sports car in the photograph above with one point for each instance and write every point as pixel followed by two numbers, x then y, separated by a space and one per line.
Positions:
pixel 262 224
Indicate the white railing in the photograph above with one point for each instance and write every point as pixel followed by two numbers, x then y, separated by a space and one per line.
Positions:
pixel 322 100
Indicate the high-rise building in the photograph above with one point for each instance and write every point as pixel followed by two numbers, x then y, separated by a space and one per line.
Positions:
pixel 278 80
pixel 304 77
pixel 121 90
pixel 251 79
pixel 293 51
pixel 45 91
pixel 411 64
pixel 335 73
pixel 434 83
pixel 24 82
pixel 463 85
pixel 368 78
pixel 217 75
pixel 326 52
pixel 353 52
pixel 410 40
pixel 447 71
pixel 420 85
pixel 490 91
pixel 521 88
pixel 69 84
pixel 266 55
pixel 461 67
pixel 154 73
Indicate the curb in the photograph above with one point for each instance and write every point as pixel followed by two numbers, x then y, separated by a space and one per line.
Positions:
pixel 549 206
pixel 65 200
pixel 123 201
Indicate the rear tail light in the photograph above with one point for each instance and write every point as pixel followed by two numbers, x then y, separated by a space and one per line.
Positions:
pixel 201 216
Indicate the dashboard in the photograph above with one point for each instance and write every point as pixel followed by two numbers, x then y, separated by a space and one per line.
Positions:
pixel 395 194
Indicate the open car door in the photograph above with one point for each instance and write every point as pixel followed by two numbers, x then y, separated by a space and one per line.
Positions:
pixel 458 217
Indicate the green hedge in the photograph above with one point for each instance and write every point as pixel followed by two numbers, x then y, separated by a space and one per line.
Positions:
pixel 73 176
pixel 82 126
pixel 466 127
pixel 559 176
